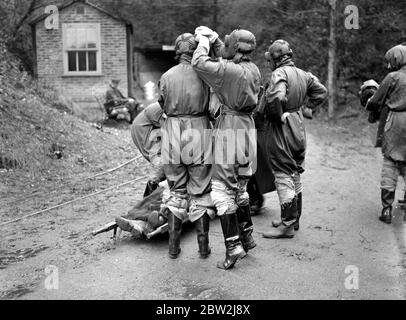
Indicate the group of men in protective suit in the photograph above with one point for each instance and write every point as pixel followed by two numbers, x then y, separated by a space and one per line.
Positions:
pixel 215 120
pixel 216 89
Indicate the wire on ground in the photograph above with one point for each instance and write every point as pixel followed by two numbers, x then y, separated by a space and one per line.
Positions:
pixel 68 202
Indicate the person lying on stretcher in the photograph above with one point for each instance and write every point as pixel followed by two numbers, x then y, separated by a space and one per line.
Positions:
pixel 146 218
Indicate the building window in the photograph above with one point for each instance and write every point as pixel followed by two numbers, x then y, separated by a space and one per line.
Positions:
pixel 80 10
pixel 81 46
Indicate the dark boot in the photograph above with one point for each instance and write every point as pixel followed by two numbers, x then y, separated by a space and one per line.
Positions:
pixel 277 223
pixel 246 228
pixel 299 211
pixel 288 213
pixel 256 198
pixel 174 229
pixel 234 249
pixel 152 185
pixel 202 231
pixel 387 198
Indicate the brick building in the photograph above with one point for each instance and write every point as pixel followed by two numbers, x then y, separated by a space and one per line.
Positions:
pixel 81 52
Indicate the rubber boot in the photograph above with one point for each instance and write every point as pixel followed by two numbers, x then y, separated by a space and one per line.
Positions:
pixel 256 198
pixel 387 198
pixel 299 211
pixel 202 226
pixel 246 227
pixel 174 230
pixel 234 248
pixel 277 223
pixel 288 211
pixel 151 186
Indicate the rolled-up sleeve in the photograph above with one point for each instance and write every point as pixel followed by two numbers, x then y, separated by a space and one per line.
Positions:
pixel 316 92
pixel 211 71
pixel 277 89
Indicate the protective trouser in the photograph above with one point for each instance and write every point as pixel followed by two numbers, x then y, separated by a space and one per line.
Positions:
pixel 288 188
pixel 277 223
pixel 227 202
pixel 391 170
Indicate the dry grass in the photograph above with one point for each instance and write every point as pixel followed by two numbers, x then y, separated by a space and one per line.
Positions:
pixel 41 144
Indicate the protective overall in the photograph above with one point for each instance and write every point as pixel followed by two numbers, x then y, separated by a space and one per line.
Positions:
pixel 263 180
pixel 236 82
pixel 391 96
pixel 146 135
pixel 281 104
pixel 186 146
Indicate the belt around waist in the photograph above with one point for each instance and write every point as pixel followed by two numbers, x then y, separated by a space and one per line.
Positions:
pixel 398 110
pixel 198 115
pixel 292 110
pixel 236 113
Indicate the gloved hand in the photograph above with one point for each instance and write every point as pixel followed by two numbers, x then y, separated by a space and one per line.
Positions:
pixel 207 32
pixel 284 116
pixel 307 112
pixel 367 90
pixel 365 95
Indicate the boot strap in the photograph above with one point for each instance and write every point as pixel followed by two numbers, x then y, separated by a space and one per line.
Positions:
pixel 233 238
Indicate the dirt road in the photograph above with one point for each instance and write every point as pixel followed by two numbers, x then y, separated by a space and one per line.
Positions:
pixel 340 232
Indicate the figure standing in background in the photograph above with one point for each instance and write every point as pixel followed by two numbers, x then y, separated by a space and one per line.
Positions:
pixel 289 89
pixel 388 105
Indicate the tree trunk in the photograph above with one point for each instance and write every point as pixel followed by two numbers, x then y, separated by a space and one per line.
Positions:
pixel 332 63
pixel 215 15
pixel 24 18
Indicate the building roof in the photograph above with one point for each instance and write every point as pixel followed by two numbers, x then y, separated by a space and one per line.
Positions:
pixel 69 3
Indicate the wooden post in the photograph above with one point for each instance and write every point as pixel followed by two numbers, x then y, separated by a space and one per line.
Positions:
pixel 215 15
pixel 332 63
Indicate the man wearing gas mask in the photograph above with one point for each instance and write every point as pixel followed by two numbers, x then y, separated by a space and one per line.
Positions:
pixel 236 82
pixel 185 100
pixel 388 105
pixel 289 89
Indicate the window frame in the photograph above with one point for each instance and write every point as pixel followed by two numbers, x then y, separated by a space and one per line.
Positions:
pixel 66 71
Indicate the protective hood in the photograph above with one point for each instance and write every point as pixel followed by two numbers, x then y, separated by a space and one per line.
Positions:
pixel 396 57
pixel 185 45
pixel 238 44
